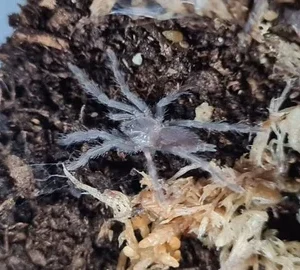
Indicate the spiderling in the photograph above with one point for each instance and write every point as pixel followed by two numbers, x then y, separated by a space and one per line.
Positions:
pixel 141 130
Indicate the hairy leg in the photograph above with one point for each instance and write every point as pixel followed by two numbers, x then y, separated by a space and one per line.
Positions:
pixel 206 166
pixel 85 136
pixel 157 187
pixel 204 147
pixel 91 88
pixel 165 101
pixel 134 99
pixel 100 150
pixel 121 116
pixel 216 126
pixel 183 171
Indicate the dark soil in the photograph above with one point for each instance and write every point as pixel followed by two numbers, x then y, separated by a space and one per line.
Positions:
pixel 50 226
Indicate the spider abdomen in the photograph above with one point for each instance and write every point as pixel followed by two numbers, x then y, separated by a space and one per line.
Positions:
pixel 177 137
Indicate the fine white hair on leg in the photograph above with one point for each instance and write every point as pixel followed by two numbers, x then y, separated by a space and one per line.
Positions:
pixel 134 99
pixel 160 106
pixel 183 171
pixel 100 150
pixel 206 166
pixel 92 153
pixel 205 147
pixel 216 126
pixel 120 116
pixel 85 136
pixel 93 89
pixel 157 187
pixel 200 147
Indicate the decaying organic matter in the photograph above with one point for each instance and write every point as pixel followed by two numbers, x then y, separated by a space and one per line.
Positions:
pixel 212 214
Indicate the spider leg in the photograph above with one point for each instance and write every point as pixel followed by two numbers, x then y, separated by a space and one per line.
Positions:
pixel 100 150
pixel 160 106
pixel 204 147
pixel 134 99
pixel 206 166
pixel 157 187
pixel 85 136
pixel 183 171
pixel 120 116
pixel 216 126
pixel 91 88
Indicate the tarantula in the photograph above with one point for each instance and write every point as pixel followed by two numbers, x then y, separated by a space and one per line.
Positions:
pixel 141 130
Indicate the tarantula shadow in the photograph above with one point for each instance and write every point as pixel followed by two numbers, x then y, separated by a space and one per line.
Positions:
pixel 141 130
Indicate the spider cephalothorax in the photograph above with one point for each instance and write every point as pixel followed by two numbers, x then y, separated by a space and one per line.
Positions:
pixel 141 130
